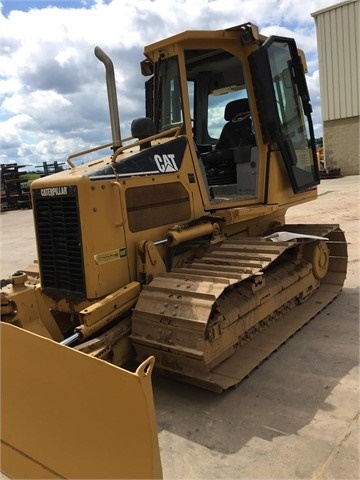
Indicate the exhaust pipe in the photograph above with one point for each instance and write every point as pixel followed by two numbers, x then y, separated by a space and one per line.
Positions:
pixel 112 98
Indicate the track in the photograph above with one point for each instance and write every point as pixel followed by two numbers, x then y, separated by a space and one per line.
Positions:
pixel 217 318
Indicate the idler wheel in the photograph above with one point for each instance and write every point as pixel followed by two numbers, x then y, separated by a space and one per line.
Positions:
pixel 319 255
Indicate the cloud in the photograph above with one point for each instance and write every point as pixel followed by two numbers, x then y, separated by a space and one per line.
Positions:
pixel 52 88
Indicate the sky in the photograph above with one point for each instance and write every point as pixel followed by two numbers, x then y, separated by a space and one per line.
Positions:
pixel 53 99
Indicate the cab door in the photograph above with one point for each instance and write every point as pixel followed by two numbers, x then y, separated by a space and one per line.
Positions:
pixel 284 108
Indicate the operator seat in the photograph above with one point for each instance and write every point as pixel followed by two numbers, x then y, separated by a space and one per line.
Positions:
pixel 238 129
pixel 235 133
pixel 235 141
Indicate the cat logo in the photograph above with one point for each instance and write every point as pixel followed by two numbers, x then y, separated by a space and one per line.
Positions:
pixel 166 163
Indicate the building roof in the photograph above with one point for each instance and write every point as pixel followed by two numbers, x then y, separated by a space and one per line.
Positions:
pixel 332 7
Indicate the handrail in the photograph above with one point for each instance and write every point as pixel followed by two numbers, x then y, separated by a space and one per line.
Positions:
pixel 90 150
pixel 176 131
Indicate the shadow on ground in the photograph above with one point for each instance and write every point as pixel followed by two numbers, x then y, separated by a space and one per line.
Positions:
pixel 280 397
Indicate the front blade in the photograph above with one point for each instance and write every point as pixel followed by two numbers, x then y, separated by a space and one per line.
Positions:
pixel 68 415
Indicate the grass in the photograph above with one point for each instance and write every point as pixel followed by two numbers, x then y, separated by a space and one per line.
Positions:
pixel 30 177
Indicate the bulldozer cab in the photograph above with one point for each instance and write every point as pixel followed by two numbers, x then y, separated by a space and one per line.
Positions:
pixel 240 103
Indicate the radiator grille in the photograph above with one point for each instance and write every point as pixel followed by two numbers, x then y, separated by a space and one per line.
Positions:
pixel 59 239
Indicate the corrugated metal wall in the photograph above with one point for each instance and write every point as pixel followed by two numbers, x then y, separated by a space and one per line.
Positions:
pixel 337 29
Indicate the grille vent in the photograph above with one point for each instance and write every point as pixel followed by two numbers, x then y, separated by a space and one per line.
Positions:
pixel 59 239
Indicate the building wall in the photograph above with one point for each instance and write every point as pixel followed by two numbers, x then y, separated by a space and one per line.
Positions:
pixel 337 29
pixel 341 145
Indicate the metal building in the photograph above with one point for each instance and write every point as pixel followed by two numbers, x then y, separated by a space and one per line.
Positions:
pixel 337 29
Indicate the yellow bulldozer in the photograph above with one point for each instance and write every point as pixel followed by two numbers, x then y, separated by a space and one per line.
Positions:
pixel 172 249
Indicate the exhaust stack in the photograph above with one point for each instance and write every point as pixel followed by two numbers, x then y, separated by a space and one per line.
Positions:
pixel 112 98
